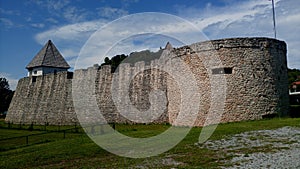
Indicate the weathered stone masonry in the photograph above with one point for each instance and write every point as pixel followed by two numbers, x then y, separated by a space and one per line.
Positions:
pixel 256 83
pixel 43 99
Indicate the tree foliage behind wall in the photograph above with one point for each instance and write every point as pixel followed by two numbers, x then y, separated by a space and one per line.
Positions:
pixel 146 56
pixel 114 61
pixel 293 75
pixel 5 95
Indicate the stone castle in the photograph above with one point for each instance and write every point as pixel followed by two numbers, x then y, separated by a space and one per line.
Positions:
pixel 254 72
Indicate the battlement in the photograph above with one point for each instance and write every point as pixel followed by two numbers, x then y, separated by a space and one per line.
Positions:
pixel 256 42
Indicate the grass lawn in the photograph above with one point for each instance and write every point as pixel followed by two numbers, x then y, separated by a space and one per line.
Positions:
pixel 78 151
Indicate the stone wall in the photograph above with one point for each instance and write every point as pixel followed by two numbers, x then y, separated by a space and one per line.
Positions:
pixel 140 80
pixel 43 100
pixel 237 79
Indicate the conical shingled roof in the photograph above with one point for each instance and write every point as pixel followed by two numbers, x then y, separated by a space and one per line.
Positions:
pixel 48 56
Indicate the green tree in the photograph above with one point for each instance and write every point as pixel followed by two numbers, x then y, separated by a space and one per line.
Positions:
pixel 114 61
pixel 146 56
pixel 293 75
pixel 5 95
pixel 107 61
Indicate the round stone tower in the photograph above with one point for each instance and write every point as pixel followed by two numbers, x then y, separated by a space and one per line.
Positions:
pixel 255 81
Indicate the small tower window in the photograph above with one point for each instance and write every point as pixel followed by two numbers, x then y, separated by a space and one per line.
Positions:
pixel 35 72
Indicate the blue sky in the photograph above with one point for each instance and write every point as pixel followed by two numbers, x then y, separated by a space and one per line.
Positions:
pixel 26 25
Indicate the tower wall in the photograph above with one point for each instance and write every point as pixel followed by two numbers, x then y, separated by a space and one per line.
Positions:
pixel 256 82
pixel 43 100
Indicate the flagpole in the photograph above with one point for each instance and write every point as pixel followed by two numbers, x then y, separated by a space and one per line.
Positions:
pixel 274 22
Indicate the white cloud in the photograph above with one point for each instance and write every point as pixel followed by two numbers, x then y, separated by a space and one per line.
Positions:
pixel 11 80
pixel 6 22
pixel 74 15
pixel 214 20
pixel 28 19
pixel 38 25
pixel 52 5
pixel 57 4
pixel 243 18
pixel 127 3
pixel 77 32
pixel 9 12
pixel 70 38
pixel 63 9
pixel 111 13
pixel 251 18
pixel 52 20
pixel 144 23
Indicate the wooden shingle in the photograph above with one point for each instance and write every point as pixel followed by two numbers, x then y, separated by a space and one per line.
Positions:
pixel 48 56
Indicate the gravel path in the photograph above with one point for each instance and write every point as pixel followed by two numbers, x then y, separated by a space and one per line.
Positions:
pixel 278 148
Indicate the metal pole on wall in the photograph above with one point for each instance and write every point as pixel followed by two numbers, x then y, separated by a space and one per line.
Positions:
pixel 274 22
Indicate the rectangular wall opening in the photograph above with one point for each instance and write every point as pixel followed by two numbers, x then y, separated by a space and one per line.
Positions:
pixel 69 75
pixel 224 70
pixel 33 79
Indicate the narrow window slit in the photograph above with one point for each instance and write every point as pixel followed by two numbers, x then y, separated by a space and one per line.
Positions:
pixel 225 70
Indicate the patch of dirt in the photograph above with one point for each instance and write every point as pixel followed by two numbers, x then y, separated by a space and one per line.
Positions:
pixel 278 148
